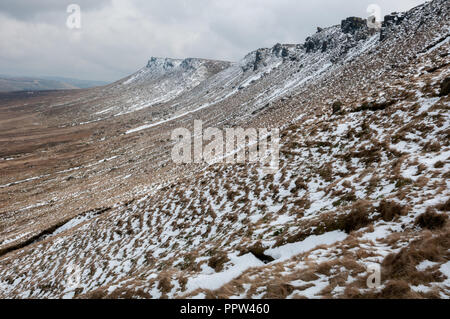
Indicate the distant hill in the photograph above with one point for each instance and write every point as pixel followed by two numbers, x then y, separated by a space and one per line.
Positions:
pixel 20 83
pixel 82 84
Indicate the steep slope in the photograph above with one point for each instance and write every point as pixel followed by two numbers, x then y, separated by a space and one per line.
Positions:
pixel 361 185
pixel 161 81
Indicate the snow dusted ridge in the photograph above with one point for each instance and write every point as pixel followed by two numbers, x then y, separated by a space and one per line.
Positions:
pixel 158 67
pixel 363 178
pixel 162 80
pixel 167 89
pixel 264 76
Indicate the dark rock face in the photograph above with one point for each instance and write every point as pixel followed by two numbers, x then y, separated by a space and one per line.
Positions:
pixel 312 44
pixel 279 51
pixel 258 59
pixel 393 18
pixel 187 64
pixel 445 87
pixel 152 61
pixel 390 20
pixel 165 63
pixel 353 24
pixel 337 106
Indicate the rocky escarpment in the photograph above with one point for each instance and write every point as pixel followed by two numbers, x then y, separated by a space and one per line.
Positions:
pixel 163 63
pixel 353 25
pixel 169 64
pixel 335 41
pixel 390 21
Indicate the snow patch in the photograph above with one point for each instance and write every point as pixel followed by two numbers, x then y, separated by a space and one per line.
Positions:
pixel 215 281
pixel 289 250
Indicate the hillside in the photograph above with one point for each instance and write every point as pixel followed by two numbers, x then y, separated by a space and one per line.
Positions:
pixel 88 187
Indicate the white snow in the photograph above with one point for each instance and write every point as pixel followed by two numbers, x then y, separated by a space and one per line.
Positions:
pixel 215 281
pixel 424 265
pixel 289 250
pixel 380 232
pixel 445 269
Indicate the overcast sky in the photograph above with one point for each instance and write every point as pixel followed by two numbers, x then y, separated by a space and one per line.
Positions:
pixel 117 37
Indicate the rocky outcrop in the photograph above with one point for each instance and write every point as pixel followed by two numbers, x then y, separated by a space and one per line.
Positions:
pixel 312 44
pixel 164 63
pixel 259 58
pixel 189 63
pixel 279 51
pixel 168 64
pixel 390 21
pixel 353 24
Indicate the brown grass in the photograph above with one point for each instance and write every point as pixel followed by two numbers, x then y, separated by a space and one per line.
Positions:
pixel 216 262
pixel 326 172
pixel 358 217
pixel 432 147
pixel 396 289
pixel 431 219
pixel 445 207
pixel 278 290
pixel 402 265
pixel 389 210
pixel 164 284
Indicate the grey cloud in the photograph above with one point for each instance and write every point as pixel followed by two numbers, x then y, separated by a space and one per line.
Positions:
pixel 118 36
pixel 28 10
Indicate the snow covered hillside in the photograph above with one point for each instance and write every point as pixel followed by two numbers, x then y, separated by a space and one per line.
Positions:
pixel 363 181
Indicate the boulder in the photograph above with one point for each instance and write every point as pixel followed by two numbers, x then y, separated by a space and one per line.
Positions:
pixel 337 107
